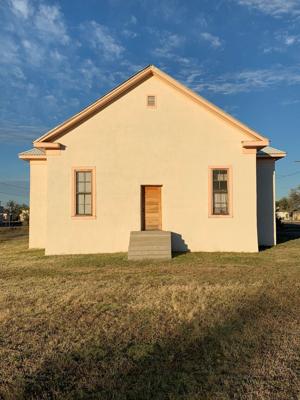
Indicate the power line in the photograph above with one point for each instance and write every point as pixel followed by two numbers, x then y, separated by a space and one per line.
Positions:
pixel 12 194
pixel 286 176
pixel 11 184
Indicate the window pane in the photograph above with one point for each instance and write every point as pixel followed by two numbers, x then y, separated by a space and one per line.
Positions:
pixel 80 199
pixel 88 199
pixel 88 187
pixel 80 187
pixel 88 209
pixel 88 176
pixel 80 176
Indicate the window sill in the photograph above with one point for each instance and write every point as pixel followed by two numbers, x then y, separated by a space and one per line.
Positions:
pixel 220 216
pixel 84 217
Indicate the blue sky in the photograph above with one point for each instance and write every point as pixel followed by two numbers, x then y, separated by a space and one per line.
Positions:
pixel 56 57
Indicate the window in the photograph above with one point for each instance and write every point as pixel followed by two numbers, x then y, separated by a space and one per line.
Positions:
pixel 83 192
pixel 151 101
pixel 220 192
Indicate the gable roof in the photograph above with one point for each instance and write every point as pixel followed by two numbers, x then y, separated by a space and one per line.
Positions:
pixel 34 153
pixel 270 152
pixel 255 138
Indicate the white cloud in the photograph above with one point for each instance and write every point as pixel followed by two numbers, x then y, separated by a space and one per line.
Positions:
pixel 21 8
pixel 169 43
pixel 9 50
pixel 35 54
pixel 10 132
pixel 289 39
pixel 133 20
pixel 102 39
pixel 128 33
pixel 275 8
pixel 214 41
pixel 281 42
pixel 50 24
pixel 248 81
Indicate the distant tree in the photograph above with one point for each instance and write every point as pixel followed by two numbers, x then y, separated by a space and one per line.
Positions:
pixel 290 203
pixel 294 198
pixel 14 209
pixel 283 204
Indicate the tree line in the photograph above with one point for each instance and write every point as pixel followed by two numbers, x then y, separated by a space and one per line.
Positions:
pixel 291 202
pixel 14 210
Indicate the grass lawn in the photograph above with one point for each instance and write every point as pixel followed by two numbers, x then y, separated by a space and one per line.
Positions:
pixel 201 326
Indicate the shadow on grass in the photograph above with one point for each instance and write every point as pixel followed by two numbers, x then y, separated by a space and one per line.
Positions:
pixel 287 232
pixel 218 363
pixel 13 233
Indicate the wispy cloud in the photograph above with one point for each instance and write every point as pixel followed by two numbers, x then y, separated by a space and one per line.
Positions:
pixel 170 47
pixel 10 132
pixel 276 8
pixel 281 42
pixel 213 40
pixel 101 38
pixel 21 8
pixel 247 81
pixel 50 23
pixel 49 72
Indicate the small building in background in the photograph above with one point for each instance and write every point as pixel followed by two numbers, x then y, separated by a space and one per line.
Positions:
pixel 296 215
pixel 3 215
pixel 24 215
pixel 283 215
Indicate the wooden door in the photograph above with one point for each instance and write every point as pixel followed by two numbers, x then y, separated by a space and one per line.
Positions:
pixel 151 208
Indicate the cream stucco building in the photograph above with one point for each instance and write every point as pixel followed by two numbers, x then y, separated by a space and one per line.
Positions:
pixel 151 155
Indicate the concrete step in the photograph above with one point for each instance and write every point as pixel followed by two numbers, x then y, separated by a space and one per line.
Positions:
pixel 148 257
pixel 149 244
pixel 157 247
pixel 149 252
pixel 149 233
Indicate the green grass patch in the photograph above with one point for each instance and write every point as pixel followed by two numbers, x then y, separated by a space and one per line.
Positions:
pixel 200 326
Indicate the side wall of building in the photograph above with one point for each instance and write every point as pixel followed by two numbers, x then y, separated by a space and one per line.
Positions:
pixel 173 145
pixel 266 224
pixel 38 204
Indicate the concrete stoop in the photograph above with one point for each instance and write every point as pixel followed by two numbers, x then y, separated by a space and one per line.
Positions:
pixel 150 245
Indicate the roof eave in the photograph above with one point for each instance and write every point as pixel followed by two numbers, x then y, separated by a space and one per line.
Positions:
pixel 275 156
pixel 46 145
pixel 255 144
pixel 29 157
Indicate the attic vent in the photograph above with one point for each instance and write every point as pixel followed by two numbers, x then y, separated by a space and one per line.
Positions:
pixel 151 101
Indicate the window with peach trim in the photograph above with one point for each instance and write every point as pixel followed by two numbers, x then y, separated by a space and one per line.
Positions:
pixel 84 199
pixel 220 193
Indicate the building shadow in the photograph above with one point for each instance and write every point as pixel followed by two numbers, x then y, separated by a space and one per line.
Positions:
pixel 178 245
pixel 191 361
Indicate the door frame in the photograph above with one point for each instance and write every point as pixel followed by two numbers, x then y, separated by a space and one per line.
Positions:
pixel 142 204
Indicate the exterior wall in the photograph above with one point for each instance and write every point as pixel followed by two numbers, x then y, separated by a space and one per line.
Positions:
pixel 38 204
pixel 172 145
pixel 266 225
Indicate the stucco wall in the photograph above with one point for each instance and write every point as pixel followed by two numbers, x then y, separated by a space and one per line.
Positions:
pixel 38 204
pixel 172 145
pixel 266 202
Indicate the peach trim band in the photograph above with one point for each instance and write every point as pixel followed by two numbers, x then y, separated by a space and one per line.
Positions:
pixel 33 157
pixel 46 145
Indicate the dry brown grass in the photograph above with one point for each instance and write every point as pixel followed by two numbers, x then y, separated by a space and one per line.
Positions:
pixel 201 326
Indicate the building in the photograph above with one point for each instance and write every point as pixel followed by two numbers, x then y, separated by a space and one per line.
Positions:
pixel 151 155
